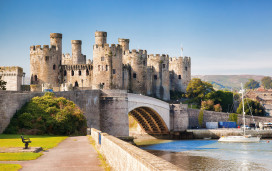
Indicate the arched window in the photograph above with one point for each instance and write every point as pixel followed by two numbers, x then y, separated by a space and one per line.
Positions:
pixel 35 78
pixel 65 73
pixel 79 72
pixel 76 84
pixel 87 72
pixel 72 73
pixel 54 67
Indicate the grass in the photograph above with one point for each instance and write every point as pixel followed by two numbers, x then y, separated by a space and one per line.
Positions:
pixel 10 167
pixel 14 140
pixel 104 163
pixel 44 141
pixel 19 156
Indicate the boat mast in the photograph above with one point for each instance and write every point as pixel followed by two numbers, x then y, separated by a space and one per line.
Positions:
pixel 244 119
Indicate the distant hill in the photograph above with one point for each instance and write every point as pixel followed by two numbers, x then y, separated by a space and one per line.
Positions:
pixel 228 82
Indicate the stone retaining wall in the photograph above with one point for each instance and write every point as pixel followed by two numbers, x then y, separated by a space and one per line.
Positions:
pixel 124 156
pixel 217 133
pixel 211 116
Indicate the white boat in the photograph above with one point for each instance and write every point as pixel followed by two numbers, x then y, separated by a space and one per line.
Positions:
pixel 244 138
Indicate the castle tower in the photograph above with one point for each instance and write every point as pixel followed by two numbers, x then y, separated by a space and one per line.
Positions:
pixel 107 63
pixel 180 73
pixel 160 75
pixel 124 43
pixel 137 60
pixel 77 56
pixel 100 37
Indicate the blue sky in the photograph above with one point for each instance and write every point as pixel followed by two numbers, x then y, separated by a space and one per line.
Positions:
pixel 221 36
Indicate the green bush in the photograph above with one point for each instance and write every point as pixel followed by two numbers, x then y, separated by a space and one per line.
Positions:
pixel 200 118
pixel 49 115
pixel 233 117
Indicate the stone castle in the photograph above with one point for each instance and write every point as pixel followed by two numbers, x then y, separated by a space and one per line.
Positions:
pixel 113 66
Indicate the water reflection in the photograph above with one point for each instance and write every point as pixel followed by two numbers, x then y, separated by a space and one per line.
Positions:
pixel 212 155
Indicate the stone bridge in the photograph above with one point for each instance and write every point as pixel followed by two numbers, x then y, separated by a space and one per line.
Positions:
pixel 108 111
pixel 105 110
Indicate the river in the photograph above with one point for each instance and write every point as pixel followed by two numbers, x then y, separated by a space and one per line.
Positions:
pixel 213 155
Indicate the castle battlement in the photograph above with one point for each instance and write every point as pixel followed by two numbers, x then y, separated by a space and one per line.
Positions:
pixel 77 67
pixel 158 57
pixel 39 48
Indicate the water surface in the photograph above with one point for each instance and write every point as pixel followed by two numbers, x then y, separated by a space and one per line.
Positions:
pixel 213 155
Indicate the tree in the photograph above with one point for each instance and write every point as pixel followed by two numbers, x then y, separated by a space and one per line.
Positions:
pixel 207 105
pixel 252 84
pixel 49 115
pixel 267 82
pixel 2 84
pixel 251 106
pixel 233 117
pixel 198 89
pixel 217 108
pixel 200 118
pixel 224 98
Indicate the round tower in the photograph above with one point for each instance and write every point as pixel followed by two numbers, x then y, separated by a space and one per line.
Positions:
pixel 124 43
pixel 77 57
pixel 56 40
pixel 138 71
pixel 100 37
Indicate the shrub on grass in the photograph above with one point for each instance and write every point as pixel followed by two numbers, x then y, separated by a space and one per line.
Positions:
pixel 49 115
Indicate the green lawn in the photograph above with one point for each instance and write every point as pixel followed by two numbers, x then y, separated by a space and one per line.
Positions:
pixel 44 141
pixel 14 140
pixel 19 156
pixel 10 167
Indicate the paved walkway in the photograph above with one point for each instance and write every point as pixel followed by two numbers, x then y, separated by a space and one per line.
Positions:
pixel 73 154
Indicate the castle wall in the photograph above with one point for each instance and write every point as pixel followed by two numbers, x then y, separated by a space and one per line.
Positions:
pixel 13 77
pixel 77 75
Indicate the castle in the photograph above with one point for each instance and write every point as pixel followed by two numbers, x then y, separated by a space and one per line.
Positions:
pixel 113 66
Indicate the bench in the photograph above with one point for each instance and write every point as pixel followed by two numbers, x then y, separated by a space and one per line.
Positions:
pixel 26 141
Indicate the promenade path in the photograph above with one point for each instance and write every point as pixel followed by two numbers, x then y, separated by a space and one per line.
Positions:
pixel 72 154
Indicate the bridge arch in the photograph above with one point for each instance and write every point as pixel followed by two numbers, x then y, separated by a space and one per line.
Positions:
pixel 151 114
pixel 149 120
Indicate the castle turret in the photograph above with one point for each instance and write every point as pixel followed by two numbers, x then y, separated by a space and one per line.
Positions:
pixel 56 40
pixel 100 37
pixel 124 43
pixel 77 57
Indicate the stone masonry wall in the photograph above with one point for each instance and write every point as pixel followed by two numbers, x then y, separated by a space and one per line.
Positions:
pixel 211 116
pixel 88 101
pixel 124 156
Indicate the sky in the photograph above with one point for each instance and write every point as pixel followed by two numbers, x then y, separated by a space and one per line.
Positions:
pixel 222 37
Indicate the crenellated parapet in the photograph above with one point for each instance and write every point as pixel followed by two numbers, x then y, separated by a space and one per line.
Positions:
pixel 77 67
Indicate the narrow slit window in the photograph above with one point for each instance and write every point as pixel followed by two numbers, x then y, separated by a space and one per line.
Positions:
pixel 72 73
pixel 155 77
pixel 134 75
pixel 179 77
pixel 79 72
pixel 113 71
pixel 54 67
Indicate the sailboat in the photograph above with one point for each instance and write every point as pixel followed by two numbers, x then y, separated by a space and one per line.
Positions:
pixel 243 138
